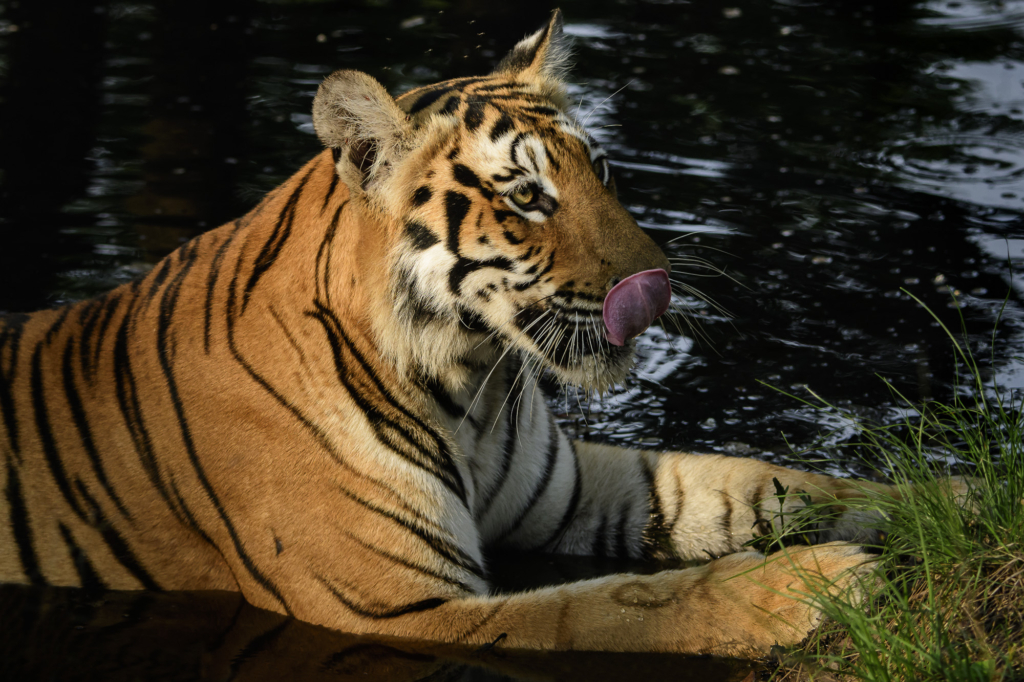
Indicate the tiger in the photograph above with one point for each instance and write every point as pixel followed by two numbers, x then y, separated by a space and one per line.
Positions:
pixel 324 404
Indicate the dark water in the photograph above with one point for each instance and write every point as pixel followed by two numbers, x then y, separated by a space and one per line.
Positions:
pixel 835 159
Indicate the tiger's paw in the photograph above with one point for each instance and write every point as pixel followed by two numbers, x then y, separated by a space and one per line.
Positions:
pixel 775 600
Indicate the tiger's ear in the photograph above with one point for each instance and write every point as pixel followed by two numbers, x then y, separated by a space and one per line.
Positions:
pixel 544 53
pixel 355 116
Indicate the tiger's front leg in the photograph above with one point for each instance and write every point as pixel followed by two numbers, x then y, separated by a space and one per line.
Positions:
pixel 705 506
pixel 738 606
pixel 599 500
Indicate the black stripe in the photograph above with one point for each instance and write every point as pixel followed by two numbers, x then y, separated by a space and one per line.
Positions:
pixel 542 484
pixel 442 547
pixel 156 279
pixel 456 206
pixel 570 511
pixel 20 527
pixel 514 149
pixel 622 543
pixel 464 267
pixel 474 116
pixel 404 434
pixel 420 235
pixel 540 109
pixel 726 520
pixel 11 329
pixel 472 321
pixel 655 529
pixel 552 160
pixel 515 97
pixel 211 286
pixel 600 546
pixel 440 394
pixel 381 611
pixel 501 127
pixel 410 565
pixel 168 303
pixel 421 196
pixel 88 578
pixel 255 647
pixel 88 317
pixel 190 519
pixel 510 236
pixel 512 174
pixel 523 286
pixel 111 304
pixel 272 248
pixel 754 502
pixel 131 410
pixel 508 450
pixel 57 324
pixel 330 190
pixel 409 429
pixel 464 176
pixel 45 433
pixel 428 98
pixel 451 106
pixel 508 86
pixel 81 422
pixel 323 288
pixel 117 545
pixel 680 501
pixel 288 335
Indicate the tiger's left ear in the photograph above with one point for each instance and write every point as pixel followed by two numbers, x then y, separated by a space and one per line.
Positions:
pixel 544 53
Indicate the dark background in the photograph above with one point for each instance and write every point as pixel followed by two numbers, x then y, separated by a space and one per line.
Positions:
pixel 826 155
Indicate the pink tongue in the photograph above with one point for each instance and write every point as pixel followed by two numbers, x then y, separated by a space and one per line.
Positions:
pixel 634 303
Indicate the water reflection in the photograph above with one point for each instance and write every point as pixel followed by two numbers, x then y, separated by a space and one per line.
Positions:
pixel 129 636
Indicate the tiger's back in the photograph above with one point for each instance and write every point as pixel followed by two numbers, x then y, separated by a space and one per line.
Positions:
pixel 98 404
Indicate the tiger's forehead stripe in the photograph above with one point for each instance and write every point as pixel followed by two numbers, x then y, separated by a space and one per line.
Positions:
pixel 495 107
pixel 478 94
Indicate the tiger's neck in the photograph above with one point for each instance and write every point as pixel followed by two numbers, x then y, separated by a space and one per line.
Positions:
pixel 326 265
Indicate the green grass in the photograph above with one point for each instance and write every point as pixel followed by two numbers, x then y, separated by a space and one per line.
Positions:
pixel 947 602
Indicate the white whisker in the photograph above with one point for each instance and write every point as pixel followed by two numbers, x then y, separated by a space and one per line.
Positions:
pixel 479 390
pixel 592 111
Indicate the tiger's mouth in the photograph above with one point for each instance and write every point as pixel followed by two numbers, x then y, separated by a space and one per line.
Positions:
pixel 570 337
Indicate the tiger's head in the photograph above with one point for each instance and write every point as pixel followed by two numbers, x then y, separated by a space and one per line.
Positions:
pixel 501 217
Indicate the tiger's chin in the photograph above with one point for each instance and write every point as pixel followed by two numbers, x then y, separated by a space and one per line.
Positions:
pixel 595 376
pixel 596 370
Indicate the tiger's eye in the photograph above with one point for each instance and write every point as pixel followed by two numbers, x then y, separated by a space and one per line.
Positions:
pixel 524 196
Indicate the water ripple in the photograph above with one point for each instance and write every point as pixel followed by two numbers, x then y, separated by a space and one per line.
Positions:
pixel 979 168
pixel 974 16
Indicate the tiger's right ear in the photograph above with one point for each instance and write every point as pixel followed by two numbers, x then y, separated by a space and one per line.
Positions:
pixel 355 116
pixel 544 53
